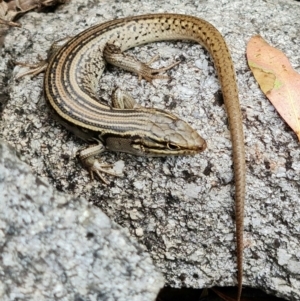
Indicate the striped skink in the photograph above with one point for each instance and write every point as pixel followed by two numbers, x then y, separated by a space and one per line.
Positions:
pixel 71 82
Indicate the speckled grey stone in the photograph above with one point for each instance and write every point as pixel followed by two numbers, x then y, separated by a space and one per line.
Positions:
pixel 59 247
pixel 180 209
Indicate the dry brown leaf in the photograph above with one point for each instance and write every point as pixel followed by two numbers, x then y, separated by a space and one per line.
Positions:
pixel 11 9
pixel 277 79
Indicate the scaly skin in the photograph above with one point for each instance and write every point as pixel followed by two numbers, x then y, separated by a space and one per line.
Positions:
pixel 73 96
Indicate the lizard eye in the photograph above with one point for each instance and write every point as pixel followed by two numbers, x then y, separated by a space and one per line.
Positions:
pixel 172 146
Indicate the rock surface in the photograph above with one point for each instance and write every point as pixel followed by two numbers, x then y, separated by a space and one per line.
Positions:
pixel 59 247
pixel 180 209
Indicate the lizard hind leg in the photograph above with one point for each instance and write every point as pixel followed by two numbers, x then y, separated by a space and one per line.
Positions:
pixel 114 55
pixel 37 68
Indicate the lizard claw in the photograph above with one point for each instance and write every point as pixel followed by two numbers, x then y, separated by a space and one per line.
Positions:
pixel 87 157
pixel 94 166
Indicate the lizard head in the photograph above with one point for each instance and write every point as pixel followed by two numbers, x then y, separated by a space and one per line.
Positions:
pixel 170 135
pixel 163 135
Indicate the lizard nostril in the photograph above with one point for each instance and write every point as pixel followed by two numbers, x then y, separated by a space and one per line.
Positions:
pixel 203 146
